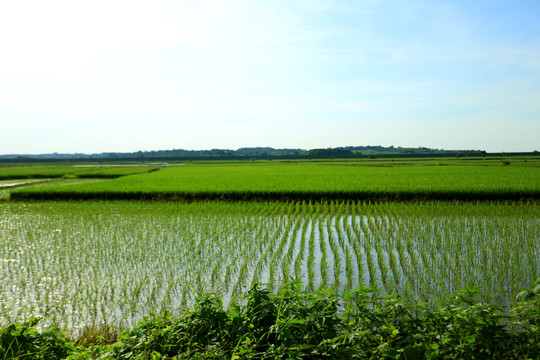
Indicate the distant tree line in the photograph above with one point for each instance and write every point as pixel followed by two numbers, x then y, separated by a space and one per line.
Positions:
pixel 258 153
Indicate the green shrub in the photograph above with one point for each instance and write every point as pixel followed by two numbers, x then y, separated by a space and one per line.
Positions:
pixel 24 341
pixel 298 324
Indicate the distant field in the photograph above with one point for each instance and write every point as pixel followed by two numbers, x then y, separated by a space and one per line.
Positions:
pixel 70 171
pixel 428 180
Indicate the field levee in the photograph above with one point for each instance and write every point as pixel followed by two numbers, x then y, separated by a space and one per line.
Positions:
pixel 277 196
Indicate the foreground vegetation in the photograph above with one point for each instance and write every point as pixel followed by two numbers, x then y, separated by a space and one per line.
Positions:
pixel 297 324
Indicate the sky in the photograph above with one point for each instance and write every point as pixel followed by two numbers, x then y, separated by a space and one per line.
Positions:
pixel 128 75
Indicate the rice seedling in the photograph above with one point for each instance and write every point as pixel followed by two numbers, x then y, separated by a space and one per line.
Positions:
pixel 85 264
pixel 311 253
pixel 325 258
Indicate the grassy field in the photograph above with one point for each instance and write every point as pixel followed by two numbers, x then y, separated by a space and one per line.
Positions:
pixel 340 180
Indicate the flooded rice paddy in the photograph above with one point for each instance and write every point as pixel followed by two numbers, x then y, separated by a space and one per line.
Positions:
pixel 90 263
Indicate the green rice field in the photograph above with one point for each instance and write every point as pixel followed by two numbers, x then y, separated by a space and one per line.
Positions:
pixel 309 181
pixel 71 171
pixel 88 263
pixel 150 239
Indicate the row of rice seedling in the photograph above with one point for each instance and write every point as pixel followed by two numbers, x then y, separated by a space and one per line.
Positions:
pixel 305 181
pixel 90 263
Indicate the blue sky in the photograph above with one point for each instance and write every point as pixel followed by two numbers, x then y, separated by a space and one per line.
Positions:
pixel 99 76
